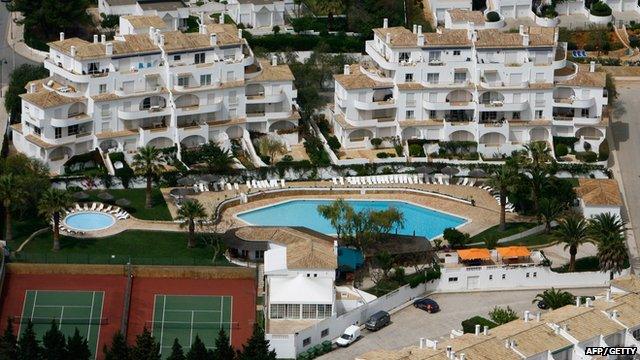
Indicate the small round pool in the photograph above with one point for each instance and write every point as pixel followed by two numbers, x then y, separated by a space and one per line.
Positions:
pixel 89 221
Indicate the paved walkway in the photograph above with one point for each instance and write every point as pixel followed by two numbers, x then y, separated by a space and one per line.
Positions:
pixel 15 40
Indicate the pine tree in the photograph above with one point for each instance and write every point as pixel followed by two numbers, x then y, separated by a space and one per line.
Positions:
pixel 54 344
pixel 176 351
pixel 78 347
pixel 28 346
pixel 146 347
pixel 198 351
pixel 8 343
pixel 119 349
pixel 223 347
pixel 257 348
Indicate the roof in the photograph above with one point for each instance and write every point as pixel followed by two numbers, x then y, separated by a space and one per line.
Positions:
pixel 161 5
pixel 145 21
pixel 86 50
pixel 306 249
pixel 586 78
pixel 398 36
pixel 45 99
pixel 462 15
pixel 273 73
pixel 513 251
pixel 594 192
pixel 121 2
pixel 629 283
pixel 300 289
pixel 447 37
pixel 356 79
pixel 538 36
pixel 474 254
pixel 227 33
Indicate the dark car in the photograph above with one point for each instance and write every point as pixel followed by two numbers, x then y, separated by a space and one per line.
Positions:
pixel 427 305
pixel 378 320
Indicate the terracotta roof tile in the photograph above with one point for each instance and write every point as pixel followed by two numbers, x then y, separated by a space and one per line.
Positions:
pixel 145 21
pixel 45 99
pixel 599 192
pixel 586 78
pixel 462 15
pixel 273 73
pixel 358 80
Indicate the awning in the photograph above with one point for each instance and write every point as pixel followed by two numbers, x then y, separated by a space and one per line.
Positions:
pixel 474 254
pixel 513 251
pixel 300 290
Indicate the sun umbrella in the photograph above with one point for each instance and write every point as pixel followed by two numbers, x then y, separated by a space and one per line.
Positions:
pixel 209 177
pixel 187 180
pixel 448 170
pixel 182 191
pixel 123 202
pixel 105 196
pixel 477 173
pixel 81 195
pixel 425 170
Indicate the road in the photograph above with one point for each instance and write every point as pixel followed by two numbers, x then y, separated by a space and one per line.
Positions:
pixel 6 52
pixel 626 132
pixel 410 324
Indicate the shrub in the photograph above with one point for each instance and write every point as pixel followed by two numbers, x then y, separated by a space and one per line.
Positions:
pixel 562 150
pixel 569 141
pixel 493 16
pixel 455 237
pixel 399 149
pixel 384 155
pixel 603 151
pixel 334 143
pixel 587 156
pixel 376 142
pixel 276 29
pixel 266 159
pixel 502 315
pixel 287 158
pixel 416 150
pixel 600 8
pixel 469 325
pixel 587 146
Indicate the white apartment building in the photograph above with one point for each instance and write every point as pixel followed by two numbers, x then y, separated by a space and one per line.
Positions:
pixel 501 90
pixel 257 13
pixel 173 12
pixel 148 87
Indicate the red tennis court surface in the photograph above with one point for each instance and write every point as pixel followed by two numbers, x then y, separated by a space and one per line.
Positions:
pixel 147 283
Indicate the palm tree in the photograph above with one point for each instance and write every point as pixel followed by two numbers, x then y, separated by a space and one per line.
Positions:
pixel 607 231
pixel 52 203
pixel 539 151
pixel 189 213
pixel 572 230
pixel 148 162
pixel 336 213
pixel 271 147
pixel 538 180
pixel 554 299
pixel 550 209
pixel 11 194
pixel 503 178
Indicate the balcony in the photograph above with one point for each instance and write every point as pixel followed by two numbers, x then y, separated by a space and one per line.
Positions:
pixel 71 120
pixel 497 105
pixel 260 98
pixel 375 104
pixel 449 105
pixel 142 114
pixel 147 90
pixel 573 102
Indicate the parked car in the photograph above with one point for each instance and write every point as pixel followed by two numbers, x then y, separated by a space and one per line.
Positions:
pixel 378 320
pixel 426 304
pixel 351 334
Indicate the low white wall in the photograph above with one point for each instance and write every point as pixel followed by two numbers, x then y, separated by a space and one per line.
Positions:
pixel 546 22
pixel 600 20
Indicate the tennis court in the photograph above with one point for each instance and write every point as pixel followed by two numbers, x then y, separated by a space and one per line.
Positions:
pixel 70 309
pixel 185 316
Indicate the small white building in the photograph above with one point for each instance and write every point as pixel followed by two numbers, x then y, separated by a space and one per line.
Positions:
pixel 599 196
pixel 173 12
pixel 257 14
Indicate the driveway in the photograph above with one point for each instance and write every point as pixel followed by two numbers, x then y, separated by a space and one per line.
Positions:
pixel 410 324
pixel 6 52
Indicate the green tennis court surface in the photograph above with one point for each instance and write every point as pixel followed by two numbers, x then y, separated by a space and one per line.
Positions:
pixel 184 317
pixel 70 310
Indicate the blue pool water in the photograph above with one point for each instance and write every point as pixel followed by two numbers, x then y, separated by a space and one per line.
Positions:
pixel 425 222
pixel 89 221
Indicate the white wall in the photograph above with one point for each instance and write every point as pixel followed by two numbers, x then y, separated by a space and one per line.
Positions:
pixel 591 211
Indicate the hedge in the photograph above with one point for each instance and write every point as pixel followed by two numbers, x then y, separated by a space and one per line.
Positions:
pixel 603 151
pixel 286 42
pixel 493 16
pixel 469 325
pixel 600 9
pixel 562 150
pixel 416 150
pixel 587 156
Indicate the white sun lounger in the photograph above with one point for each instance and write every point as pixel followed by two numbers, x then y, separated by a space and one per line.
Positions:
pixel 236 186
pixel 248 184
pixel 334 181
pixel 341 180
pixel 471 182
pixel 100 206
pixel 107 209
pixel 115 210
pixel 282 182
pixel 274 183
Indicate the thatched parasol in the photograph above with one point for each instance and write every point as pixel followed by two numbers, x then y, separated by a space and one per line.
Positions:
pixel 123 202
pixel 105 196
pixel 81 195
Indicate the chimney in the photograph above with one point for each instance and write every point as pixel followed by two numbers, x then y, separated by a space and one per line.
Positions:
pixel 335 250
pixel 486 330
pixel 385 23
pixel 592 66
pixel 103 39
pixel 578 301
pixel 556 329
pixel 73 51
pixel 525 40
pixel 448 351
pixel 109 48
pixel 32 88
pixel 221 18
pixel 240 33
pixel 556 35
pixel 477 329
pixel 213 39
pixel 614 314
pixel 161 40
pixel 521 30
pixel 506 343
pixel 420 39
pixel 274 60
pixel 526 315
pixel 419 29
pixel 202 29
pixel 435 344
pixel 565 327
pixel 421 343
pixel 609 295
pixel 415 28
pixel 95 39
pixel 538 316
pixel 512 344
pixel 61 36
pixel 588 302
pixel 462 356
pixel 347 70
pixel 453 355
pixel 387 38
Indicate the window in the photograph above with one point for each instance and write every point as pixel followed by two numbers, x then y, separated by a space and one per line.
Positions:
pixel 539 99
pixel 459 77
pixel 277 311
pixel 538 114
pixel 324 333
pixel 233 98
pixel 432 114
pixel 504 276
pixel 584 112
pixel 231 75
pixel 306 341
pixel 453 279
pixel 106 126
pixel 636 334
pixel 58 132
pixel 183 81
pixel 535 274
pixel 198 58
pixel 408 77
pixel 205 79
pixel 526 275
pixel 105 111
pixel 72 130
pixel 404 56
pixel 308 275
pixel 433 97
pixel 94 67
pixel 103 88
pixel 490 277
pixel 456 52
pixel 37 130
pixel 315 275
pixel 411 99
pixel 324 311
pixel 516 115
pixel 489 115
pixel 433 78
pixel 434 56
pixel 177 57
pixel 410 114
pixel 293 311
pixel 308 311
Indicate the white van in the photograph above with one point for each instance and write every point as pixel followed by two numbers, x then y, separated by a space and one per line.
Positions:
pixel 351 334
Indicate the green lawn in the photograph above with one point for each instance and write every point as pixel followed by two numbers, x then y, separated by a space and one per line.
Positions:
pixel 495 233
pixel 144 247
pixel 533 240
pixel 159 211
pixel 23 229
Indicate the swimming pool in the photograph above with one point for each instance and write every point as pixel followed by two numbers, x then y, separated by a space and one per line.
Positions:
pixel 424 221
pixel 89 221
